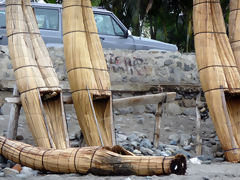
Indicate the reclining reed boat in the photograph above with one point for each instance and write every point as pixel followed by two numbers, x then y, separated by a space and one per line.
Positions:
pixel 96 160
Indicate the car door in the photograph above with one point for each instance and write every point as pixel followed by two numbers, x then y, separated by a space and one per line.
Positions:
pixel 3 32
pixel 112 35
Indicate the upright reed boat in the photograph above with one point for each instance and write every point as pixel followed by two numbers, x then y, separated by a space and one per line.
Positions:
pixel 36 79
pixel 87 73
pixel 219 74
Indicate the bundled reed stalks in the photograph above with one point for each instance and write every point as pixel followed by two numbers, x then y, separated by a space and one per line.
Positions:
pixel 219 74
pixel 87 73
pixel 36 79
pixel 97 160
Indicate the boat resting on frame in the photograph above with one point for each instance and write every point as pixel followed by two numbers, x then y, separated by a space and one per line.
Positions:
pixel 87 73
pixel 219 74
pixel 36 79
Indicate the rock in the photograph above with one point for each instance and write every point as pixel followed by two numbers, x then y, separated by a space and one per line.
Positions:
pixel 133 137
pixel 78 135
pixel 27 172
pixel 167 129
pixel 172 142
pixel 2 174
pixel 8 172
pixel 151 108
pixel 219 154
pixel 189 111
pixel 174 137
pixel 121 137
pixel 173 109
pixel 5 109
pixel 74 144
pixel 140 121
pixel 136 151
pixel 204 158
pixel 158 152
pixel 164 153
pixel 187 148
pixel 19 138
pixel 206 162
pixel 185 139
pixel 146 151
pixel 181 151
pixel 135 144
pixel 72 137
pixel 219 159
pixel 189 103
pixel 168 62
pixel 10 164
pixel 146 143
pixel 206 178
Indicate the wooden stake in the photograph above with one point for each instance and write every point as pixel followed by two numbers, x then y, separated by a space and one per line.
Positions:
pixel 158 118
pixel 14 116
pixel 198 127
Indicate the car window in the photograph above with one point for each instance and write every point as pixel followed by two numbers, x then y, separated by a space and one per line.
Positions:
pixel 47 18
pixel 106 25
pixel 2 18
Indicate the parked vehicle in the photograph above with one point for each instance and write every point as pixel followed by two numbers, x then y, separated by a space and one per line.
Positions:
pixel 112 32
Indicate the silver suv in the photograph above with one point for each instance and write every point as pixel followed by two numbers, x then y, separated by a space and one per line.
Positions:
pixel 112 32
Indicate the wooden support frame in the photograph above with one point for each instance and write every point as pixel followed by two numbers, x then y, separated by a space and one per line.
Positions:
pixel 159 99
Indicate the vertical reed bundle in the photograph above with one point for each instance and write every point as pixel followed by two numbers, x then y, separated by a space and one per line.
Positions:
pixel 97 160
pixel 36 78
pixel 87 72
pixel 218 74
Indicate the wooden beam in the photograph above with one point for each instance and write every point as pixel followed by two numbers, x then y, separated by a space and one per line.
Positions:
pixel 145 99
pixel 117 103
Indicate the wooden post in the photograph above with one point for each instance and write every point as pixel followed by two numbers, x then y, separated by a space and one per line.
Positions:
pixel 158 118
pixel 198 127
pixel 14 116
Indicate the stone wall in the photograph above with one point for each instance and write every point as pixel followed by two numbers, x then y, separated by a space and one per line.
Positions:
pixel 129 70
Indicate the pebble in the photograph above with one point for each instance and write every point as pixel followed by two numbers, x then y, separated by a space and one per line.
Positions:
pixel 133 137
pixel 187 148
pixel 219 154
pixel 172 142
pixel 185 139
pixel 19 137
pixel 136 151
pixel 167 129
pixel 135 143
pixel 174 137
pixel 74 144
pixel 72 137
pixel 206 178
pixel 219 159
pixel 8 172
pixel 158 152
pixel 146 151
pixel 146 143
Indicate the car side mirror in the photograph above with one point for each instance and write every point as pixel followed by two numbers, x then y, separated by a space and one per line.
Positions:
pixel 126 34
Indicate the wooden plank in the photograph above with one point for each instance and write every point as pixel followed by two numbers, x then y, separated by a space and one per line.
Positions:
pixel 123 102
pixel 198 128
pixel 14 116
pixel 145 99
pixel 158 118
